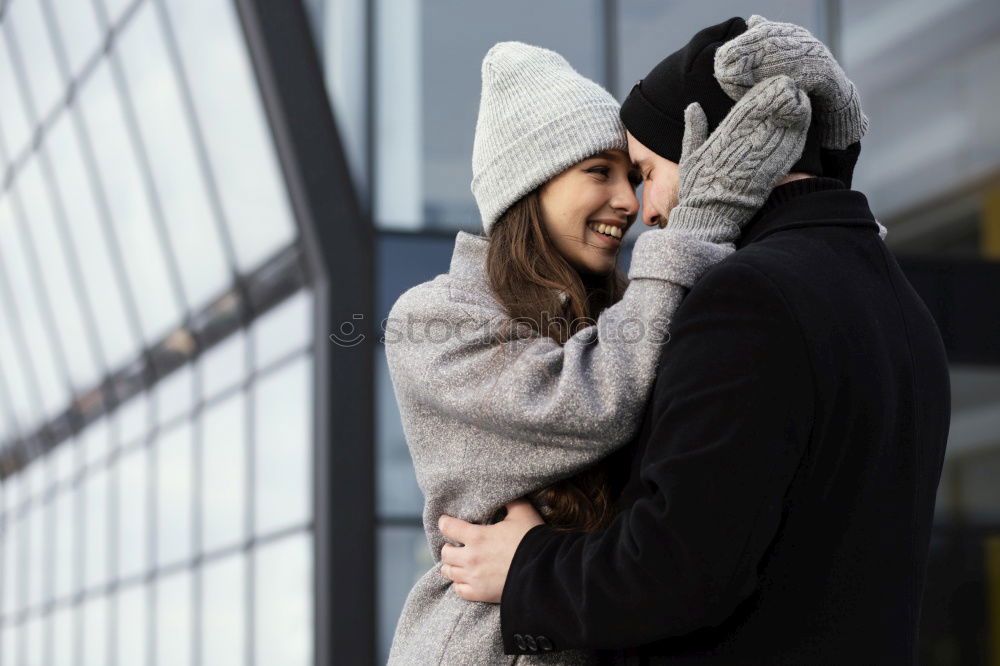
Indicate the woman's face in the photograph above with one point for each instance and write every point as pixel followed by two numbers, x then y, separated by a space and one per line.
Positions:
pixel 597 193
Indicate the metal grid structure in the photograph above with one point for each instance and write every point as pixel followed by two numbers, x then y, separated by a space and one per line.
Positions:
pixel 164 306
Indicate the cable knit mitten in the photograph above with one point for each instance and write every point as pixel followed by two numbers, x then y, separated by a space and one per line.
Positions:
pixel 769 48
pixel 726 177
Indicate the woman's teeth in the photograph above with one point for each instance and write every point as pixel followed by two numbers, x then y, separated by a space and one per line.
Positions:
pixel 607 229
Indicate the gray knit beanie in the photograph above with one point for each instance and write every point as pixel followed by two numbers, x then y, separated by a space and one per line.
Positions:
pixel 537 117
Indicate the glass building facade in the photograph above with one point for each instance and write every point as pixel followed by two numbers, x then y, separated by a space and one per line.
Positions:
pixel 208 207
pixel 156 345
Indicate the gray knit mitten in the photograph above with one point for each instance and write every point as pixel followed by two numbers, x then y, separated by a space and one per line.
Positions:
pixel 769 48
pixel 726 177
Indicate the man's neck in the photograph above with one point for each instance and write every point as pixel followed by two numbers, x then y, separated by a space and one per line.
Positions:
pixel 795 175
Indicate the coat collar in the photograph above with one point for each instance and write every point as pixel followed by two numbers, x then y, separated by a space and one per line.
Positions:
pixel 809 202
pixel 468 259
pixel 468 262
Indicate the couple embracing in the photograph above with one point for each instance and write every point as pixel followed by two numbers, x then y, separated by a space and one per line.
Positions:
pixel 729 457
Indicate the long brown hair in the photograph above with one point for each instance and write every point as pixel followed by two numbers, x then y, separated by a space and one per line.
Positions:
pixel 527 274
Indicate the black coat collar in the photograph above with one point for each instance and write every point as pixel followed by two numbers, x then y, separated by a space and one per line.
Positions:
pixel 806 203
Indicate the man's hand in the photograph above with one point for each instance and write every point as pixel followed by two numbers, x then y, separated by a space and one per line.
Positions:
pixel 479 568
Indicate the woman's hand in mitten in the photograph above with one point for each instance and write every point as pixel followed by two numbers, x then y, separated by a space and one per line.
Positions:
pixel 769 48
pixel 726 177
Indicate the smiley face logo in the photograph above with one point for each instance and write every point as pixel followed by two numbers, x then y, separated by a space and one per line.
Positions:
pixel 347 336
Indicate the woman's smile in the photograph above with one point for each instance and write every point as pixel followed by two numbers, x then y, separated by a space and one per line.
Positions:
pixel 609 233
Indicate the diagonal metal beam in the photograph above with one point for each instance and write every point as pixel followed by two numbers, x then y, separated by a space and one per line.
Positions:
pixel 338 239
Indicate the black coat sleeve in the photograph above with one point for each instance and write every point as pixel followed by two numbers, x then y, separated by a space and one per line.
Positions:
pixel 732 414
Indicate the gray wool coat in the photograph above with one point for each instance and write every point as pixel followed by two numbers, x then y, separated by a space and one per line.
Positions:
pixel 489 421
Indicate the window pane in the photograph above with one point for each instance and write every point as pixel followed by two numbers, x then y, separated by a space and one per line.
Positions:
pixel 65 460
pixel 224 613
pixel 28 310
pixel 232 118
pixel 285 328
pixel 224 365
pixel 403 557
pixel 283 602
pixel 11 638
pixel 96 439
pixel 173 620
pixel 173 495
pixel 113 9
pixel 66 545
pixel 426 54
pixel 133 419
pixel 133 608
pixel 95 632
pixel 342 50
pixel 133 514
pixel 13 563
pixel 20 391
pixel 650 30
pixel 8 429
pixel 36 566
pixel 79 33
pixel 36 478
pixel 107 301
pixel 947 98
pixel 63 637
pixel 14 119
pixel 179 180
pixel 175 395
pixel 95 533
pixel 283 444
pixel 73 332
pixel 12 492
pixel 224 459
pixel 34 643
pixel 127 198
pixel 37 56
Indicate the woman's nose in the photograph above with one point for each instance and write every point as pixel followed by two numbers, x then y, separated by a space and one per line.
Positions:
pixel 626 201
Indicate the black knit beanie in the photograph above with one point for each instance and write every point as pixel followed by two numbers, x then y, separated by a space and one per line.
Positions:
pixel 654 111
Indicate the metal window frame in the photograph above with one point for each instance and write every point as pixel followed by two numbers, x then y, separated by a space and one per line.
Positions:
pixel 249 296
pixel 338 241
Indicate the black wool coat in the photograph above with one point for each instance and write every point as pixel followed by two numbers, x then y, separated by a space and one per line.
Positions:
pixel 783 482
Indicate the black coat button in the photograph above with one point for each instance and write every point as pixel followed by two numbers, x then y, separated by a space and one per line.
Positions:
pixel 519 642
pixel 530 640
pixel 544 643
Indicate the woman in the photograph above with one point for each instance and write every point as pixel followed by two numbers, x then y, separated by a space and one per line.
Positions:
pixel 506 386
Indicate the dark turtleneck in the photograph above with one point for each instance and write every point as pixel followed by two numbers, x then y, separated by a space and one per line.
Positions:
pixel 784 193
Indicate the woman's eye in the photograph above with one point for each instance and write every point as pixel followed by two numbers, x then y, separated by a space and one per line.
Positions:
pixel 600 170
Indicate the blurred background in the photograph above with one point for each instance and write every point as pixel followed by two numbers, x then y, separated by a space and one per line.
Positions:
pixel 209 206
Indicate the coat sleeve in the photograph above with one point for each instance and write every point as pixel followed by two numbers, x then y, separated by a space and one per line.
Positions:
pixel 730 421
pixel 445 356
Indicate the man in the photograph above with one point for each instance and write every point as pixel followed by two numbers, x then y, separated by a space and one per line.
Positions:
pixel 784 478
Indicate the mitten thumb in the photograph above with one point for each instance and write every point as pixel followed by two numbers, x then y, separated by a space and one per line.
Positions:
pixel 695 130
